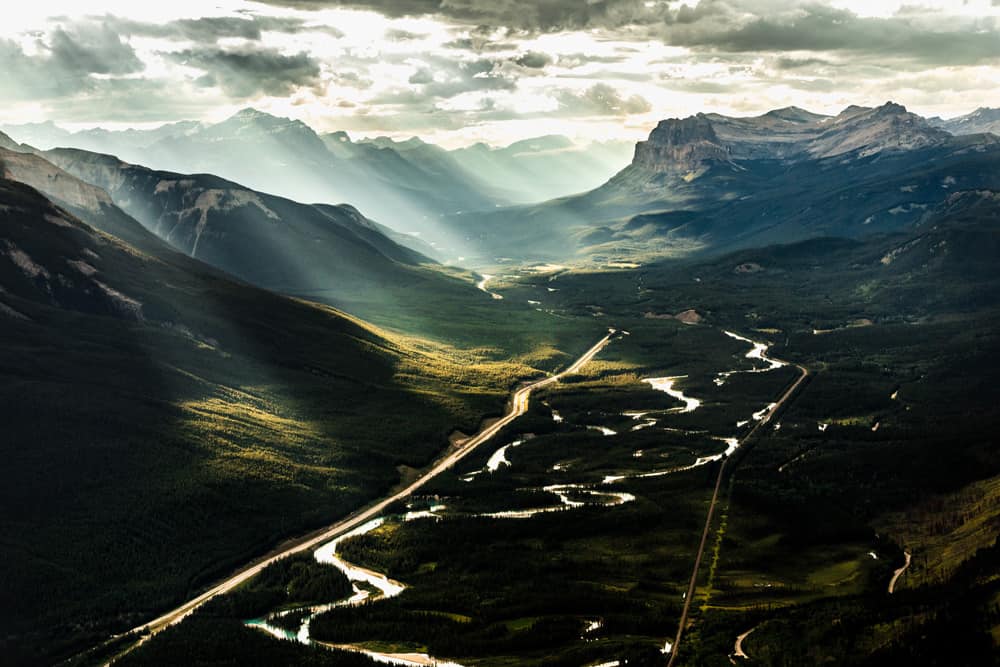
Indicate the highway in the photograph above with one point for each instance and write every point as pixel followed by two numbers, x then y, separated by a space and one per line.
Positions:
pixel 517 406
pixel 765 419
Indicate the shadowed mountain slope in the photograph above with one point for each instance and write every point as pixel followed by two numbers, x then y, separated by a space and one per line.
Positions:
pixel 164 422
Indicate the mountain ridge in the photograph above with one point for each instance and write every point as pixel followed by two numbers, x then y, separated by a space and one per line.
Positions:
pixel 710 182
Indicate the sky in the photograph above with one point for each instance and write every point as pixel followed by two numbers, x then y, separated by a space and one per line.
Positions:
pixel 459 71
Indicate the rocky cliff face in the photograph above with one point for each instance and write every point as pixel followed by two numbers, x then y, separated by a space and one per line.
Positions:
pixel 684 146
pixel 885 128
pixel 56 183
pixel 679 146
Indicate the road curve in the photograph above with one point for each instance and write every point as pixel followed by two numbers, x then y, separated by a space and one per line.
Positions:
pixel 738 651
pixel 692 585
pixel 518 406
pixel 899 572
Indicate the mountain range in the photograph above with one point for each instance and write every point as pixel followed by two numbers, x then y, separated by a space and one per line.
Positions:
pixel 407 185
pixel 710 183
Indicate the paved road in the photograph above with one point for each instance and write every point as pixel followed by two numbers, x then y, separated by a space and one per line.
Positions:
pixel 518 406
pixel 692 585
pixel 898 573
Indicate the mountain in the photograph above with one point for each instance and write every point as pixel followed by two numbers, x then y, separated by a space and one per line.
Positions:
pixel 286 156
pixel 325 253
pixel 418 167
pixel 8 143
pixel 406 185
pixel 86 201
pixel 545 167
pixel 164 422
pixel 266 240
pixel 685 146
pixel 128 143
pixel 44 135
pixel 887 128
pixel 710 183
pixel 983 119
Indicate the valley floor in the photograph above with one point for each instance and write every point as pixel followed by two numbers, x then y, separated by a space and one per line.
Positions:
pixel 570 535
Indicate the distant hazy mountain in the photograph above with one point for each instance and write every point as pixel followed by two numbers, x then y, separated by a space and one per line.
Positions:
pixel 8 143
pixel 710 182
pixel 981 120
pixel 545 167
pixel 127 144
pixel 405 185
pixel 419 167
pixel 270 241
pixel 286 156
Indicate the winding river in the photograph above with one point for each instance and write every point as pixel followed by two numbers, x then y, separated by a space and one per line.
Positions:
pixel 369 585
pixel 482 286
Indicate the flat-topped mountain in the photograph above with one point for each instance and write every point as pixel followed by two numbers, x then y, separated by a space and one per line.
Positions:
pixel 680 145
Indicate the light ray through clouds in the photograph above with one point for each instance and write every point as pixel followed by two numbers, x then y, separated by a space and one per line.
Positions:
pixel 480 70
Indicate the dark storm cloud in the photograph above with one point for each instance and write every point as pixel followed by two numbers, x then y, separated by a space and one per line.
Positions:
pixel 719 25
pixel 543 15
pixel 213 28
pixel 63 64
pixel 722 25
pixel 784 63
pixel 533 60
pixel 243 73
pixel 92 49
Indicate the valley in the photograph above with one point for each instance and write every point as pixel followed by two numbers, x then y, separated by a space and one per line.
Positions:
pixel 290 393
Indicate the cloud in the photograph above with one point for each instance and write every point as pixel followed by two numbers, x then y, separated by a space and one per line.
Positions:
pixel 441 78
pixel 742 26
pixel 533 60
pixel 246 72
pixel 422 76
pixel 766 26
pixel 538 15
pixel 350 79
pixel 63 64
pixel 211 29
pixel 787 63
pixel 397 35
pixel 92 49
pixel 602 99
pixel 469 63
